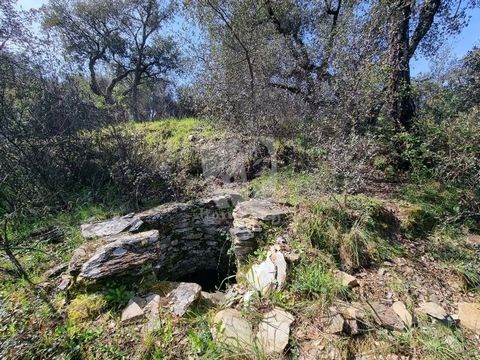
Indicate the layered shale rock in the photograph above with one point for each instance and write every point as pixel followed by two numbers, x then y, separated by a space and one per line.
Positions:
pixel 116 254
pixel 249 218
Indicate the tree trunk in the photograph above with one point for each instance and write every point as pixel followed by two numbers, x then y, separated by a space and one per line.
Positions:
pixel 135 106
pixel 401 105
pixel 13 259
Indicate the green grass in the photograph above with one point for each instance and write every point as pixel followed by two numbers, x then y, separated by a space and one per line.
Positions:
pixel 174 133
pixel 434 341
pixel 314 280
pixel 431 206
pixel 355 230
pixel 290 186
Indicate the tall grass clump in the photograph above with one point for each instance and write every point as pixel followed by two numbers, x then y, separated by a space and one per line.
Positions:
pixel 355 230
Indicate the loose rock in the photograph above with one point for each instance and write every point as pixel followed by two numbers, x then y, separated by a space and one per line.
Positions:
pixel 133 312
pixel 434 310
pixel 262 277
pixel 232 329
pixel 386 317
pixel 347 279
pixel 274 331
pixel 217 297
pixel 402 312
pixel 182 297
pixel 335 324
pixel 56 270
pixel 469 316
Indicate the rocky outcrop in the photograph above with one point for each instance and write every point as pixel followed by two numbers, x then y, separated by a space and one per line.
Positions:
pixel 236 159
pixel 249 218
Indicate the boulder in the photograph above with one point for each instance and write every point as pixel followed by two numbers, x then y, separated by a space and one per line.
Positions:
pixel 469 316
pixel 232 329
pixel 401 310
pixel 274 331
pixel 184 295
pixel 118 254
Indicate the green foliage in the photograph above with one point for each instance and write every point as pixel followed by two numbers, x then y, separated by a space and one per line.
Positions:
pixel 355 230
pixel 290 186
pixel 117 297
pixel 172 138
pixel 85 307
pixel 447 150
pixel 200 340
pixel 314 280
pixel 436 341
pixel 73 338
pixel 433 205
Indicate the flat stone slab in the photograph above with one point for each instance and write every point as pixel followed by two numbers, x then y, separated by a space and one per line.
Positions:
pixel 230 328
pixel 110 227
pixel 434 310
pixel 401 310
pixel 116 254
pixel 182 297
pixel 274 331
pixel 469 316
pixel 262 210
pixel 386 317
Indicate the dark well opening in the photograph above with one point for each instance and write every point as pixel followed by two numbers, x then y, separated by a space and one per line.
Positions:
pixel 212 279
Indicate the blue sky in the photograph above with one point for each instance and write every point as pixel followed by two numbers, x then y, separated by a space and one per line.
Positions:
pixel 459 45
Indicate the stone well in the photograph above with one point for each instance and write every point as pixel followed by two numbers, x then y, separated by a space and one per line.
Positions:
pixel 177 239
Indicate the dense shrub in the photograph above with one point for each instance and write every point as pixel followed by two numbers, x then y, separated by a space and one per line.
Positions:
pixel 447 150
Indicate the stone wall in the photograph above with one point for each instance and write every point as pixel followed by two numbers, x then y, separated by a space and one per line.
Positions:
pixel 188 236
pixel 177 239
